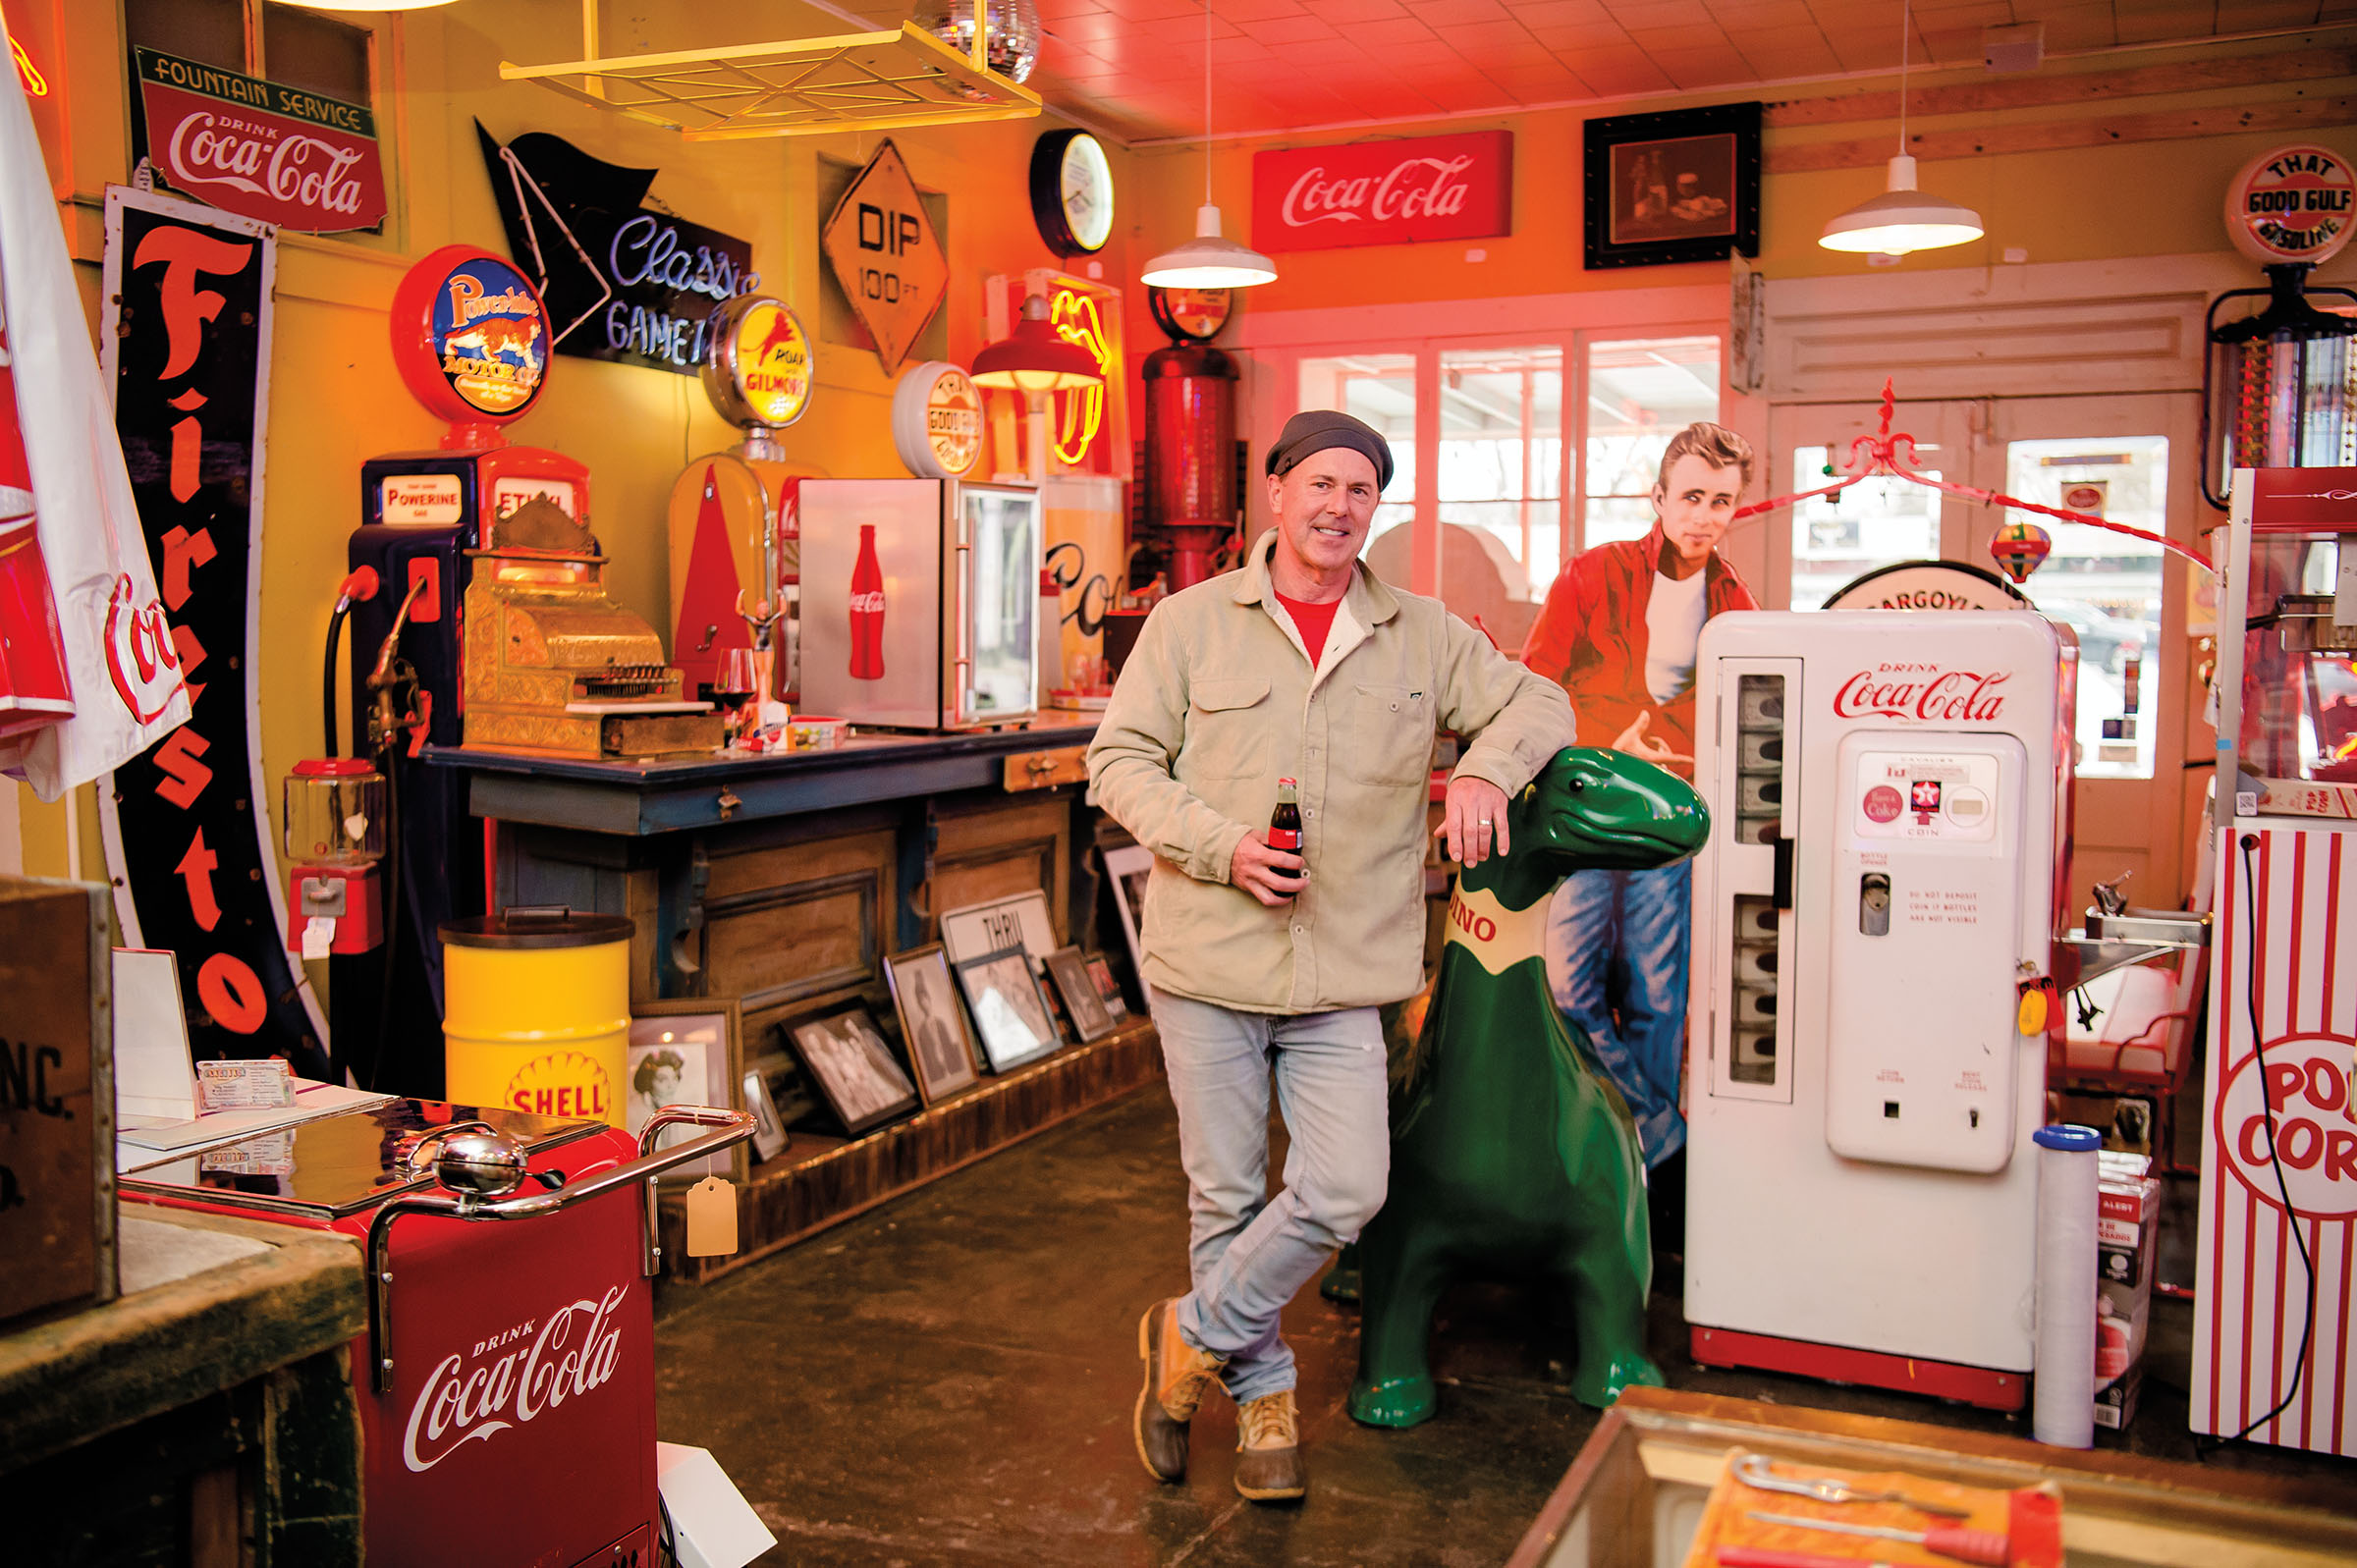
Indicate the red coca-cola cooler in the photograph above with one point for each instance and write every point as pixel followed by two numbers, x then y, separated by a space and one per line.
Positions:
pixel 507 1378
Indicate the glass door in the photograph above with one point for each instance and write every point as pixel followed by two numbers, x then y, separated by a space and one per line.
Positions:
pixel 999 544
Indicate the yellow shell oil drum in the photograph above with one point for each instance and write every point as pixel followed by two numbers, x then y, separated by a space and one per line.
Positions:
pixel 537 1011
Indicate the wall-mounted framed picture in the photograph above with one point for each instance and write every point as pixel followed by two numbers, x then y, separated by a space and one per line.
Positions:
pixel 941 1048
pixel 686 1050
pixel 983 928
pixel 1009 1014
pixel 857 1073
pixel 1128 869
pixel 1078 988
pixel 1679 186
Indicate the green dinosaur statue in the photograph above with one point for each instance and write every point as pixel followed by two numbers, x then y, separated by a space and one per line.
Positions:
pixel 1512 1155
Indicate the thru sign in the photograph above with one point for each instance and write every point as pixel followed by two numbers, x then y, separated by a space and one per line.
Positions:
pixel 886 257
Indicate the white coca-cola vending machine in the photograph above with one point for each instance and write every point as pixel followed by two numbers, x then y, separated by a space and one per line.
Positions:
pixel 919 601
pixel 1890 798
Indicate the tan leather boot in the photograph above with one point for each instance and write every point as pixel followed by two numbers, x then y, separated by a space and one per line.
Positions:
pixel 1268 1445
pixel 1177 1377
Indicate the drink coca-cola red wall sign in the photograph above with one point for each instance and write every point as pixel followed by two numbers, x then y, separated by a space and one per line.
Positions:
pixel 1383 192
pixel 261 149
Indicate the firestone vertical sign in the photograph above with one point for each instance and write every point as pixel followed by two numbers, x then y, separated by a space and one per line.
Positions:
pixel 185 338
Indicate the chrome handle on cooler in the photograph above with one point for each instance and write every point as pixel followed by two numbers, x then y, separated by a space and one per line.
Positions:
pixel 479 1167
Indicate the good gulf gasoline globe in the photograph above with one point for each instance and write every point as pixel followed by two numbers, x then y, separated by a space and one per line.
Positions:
pixel 1014 44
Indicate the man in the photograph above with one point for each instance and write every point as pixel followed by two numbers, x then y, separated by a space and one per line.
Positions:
pixel 1619 631
pixel 1303 666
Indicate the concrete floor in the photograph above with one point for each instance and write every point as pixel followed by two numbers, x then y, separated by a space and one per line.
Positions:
pixel 949 1380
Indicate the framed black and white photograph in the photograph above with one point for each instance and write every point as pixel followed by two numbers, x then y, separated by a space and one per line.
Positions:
pixel 768 1129
pixel 984 928
pixel 1009 1013
pixel 1679 186
pixel 1127 870
pixel 941 1048
pixel 1078 988
pixel 1109 987
pixel 855 1069
pixel 685 1050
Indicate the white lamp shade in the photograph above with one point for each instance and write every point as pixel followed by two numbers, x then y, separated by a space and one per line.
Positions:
pixel 1209 260
pixel 1901 219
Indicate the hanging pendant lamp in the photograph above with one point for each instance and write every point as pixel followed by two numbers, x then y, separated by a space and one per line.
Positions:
pixel 1903 217
pixel 1210 260
pixel 1033 359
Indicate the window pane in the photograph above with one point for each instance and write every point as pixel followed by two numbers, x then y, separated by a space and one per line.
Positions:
pixel 2105 586
pixel 210 30
pixel 1641 391
pixel 305 49
pixel 1501 484
pixel 1876 522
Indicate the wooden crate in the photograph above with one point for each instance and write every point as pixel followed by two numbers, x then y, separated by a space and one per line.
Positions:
pixel 1634 1495
pixel 57 1097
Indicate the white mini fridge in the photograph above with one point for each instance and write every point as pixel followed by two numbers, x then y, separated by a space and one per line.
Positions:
pixel 919 601
pixel 1889 792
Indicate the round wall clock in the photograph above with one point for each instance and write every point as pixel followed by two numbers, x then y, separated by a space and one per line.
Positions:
pixel 1192 316
pixel 1072 192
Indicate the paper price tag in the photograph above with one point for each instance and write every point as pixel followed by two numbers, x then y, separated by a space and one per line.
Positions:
pixel 243 1085
pixel 319 936
pixel 712 1218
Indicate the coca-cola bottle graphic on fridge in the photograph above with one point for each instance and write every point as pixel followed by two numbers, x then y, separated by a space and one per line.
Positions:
pixel 867 610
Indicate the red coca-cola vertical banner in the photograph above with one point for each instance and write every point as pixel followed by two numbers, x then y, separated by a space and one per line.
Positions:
pixel 1383 192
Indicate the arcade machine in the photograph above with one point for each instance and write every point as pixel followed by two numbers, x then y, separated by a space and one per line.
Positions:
pixel 1872 1007
pixel 734 551
pixel 2272 1291
pixel 471 338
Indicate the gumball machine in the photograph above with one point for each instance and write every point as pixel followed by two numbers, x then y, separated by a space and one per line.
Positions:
pixel 334 809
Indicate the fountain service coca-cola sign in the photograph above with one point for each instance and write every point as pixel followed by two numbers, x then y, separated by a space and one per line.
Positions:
pixel 1383 192
pixel 261 149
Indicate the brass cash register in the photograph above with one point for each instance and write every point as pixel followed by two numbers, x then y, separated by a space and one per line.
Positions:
pixel 554 668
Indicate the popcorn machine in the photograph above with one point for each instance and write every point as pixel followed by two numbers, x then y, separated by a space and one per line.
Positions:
pixel 1871 923
pixel 2273 1296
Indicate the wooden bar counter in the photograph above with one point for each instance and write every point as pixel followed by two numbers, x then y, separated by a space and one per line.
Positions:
pixel 783 880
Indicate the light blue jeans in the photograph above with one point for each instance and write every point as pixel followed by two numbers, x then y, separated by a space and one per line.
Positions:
pixel 1616 952
pixel 1251 1253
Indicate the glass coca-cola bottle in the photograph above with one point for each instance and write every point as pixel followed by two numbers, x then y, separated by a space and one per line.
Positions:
pixel 867 610
pixel 1285 824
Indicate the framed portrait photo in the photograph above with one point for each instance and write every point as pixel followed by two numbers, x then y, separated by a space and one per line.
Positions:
pixel 686 1050
pixel 1009 1013
pixel 768 1129
pixel 1679 186
pixel 1109 989
pixel 1127 870
pixel 1078 988
pixel 941 1048
pixel 855 1069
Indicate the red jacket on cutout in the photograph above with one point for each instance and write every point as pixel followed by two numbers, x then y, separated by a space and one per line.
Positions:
pixel 1591 639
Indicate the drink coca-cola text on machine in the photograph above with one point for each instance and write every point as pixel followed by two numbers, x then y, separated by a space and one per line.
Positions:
pixel 471 338
pixel 505 1381
pixel 1880 898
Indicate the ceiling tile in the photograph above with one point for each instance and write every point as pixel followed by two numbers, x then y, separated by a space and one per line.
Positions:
pixel 1441 13
pixel 1340 12
pixel 1560 13
pixel 1404 32
pixel 1634 14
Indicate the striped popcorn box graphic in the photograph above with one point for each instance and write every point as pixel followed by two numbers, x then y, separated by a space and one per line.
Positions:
pixel 2280 1125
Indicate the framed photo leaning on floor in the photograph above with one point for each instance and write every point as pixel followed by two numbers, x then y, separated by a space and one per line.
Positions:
pixel 941 1048
pixel 1078 988
pixel 686 1050
pixel 1128 869
pixel 1009 1013
pixel 855 1069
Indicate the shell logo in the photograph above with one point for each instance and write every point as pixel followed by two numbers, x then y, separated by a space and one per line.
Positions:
pixel 562 1083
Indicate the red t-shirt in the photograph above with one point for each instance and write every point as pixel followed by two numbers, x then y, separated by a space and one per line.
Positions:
pixel 1311 620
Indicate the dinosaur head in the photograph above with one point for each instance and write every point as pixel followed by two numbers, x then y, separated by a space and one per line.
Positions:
pixel 1596 809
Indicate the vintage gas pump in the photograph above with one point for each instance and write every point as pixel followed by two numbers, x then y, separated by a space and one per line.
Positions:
pixel 470 338
pixel 736 557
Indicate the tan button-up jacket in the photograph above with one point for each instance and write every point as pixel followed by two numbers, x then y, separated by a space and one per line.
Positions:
pixel 1220 701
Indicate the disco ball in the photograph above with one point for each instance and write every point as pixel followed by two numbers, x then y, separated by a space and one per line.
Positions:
pixel 1014 47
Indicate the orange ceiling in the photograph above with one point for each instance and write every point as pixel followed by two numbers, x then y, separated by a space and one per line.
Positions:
pixel 1136 66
